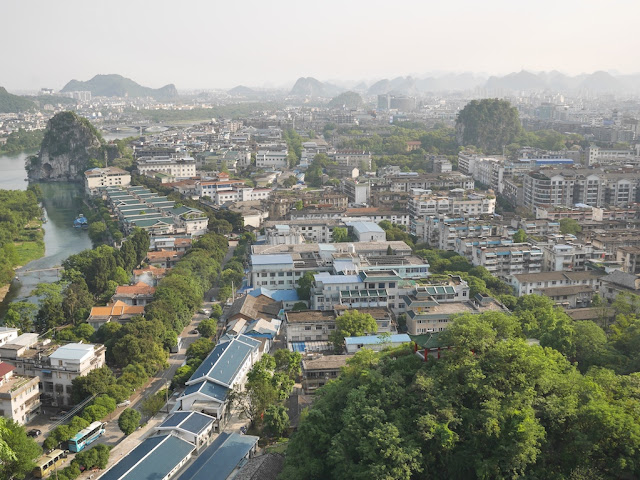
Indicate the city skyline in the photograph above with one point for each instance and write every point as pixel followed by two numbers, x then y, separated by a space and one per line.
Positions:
pixel 207 46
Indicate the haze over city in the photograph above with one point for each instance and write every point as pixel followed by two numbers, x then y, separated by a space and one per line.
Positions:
pixel 203 45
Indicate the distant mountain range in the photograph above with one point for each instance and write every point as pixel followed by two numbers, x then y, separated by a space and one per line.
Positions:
pixel 597 82
pixel 119 86
pixel 10 103
pixel 310 87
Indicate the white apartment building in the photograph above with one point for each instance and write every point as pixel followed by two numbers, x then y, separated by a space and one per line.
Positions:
pixel 352 158
pixel 275 159
pixel 100 178
pixel 569 257
pixel 528 283
pixel 294 232
pixel 56 366
pixel 506 260
pixel 7 334
pixel 605 156
pixel 357 192
pixel 19 395
pixel 179 168
pixel 241 194
pixel 487 170
pixel 424 202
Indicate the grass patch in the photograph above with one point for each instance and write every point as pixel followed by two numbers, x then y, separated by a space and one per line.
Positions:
pixel 277 447
pixel 28 251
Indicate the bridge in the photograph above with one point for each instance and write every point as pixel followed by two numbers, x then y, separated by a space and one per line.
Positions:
pixel 57 268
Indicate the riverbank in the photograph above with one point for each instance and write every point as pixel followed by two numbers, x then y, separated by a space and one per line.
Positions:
pixel 29 247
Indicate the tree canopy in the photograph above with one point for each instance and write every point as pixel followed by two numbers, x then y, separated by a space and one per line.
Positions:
pixel 493 406
pixel 489 124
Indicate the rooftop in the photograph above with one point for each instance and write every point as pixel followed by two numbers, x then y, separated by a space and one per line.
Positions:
pixel 377 339
pixel 222 457
pixel 310 316
pixel 153 459
pixel 326 362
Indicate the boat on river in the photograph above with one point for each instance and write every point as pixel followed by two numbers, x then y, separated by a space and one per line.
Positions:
pixel 80 222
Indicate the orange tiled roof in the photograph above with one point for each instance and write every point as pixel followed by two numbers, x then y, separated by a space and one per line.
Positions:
pixel 116 310
pixel 139 288
pixel 163 254
pixel 155 271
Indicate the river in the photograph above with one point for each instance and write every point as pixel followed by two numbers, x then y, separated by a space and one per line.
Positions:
pixel 61 204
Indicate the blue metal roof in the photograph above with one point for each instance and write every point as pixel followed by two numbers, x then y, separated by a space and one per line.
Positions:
pixel 365 227
pixel 277 259
pixel 222 457
pixel 375 339
pixel 329 279
pixel 210 361
pixel 154 458
pixel 225 360
pixel 278 295
pixel 175 419
pixel 196 422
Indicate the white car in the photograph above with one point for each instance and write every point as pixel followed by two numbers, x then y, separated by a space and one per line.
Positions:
pixel 125 403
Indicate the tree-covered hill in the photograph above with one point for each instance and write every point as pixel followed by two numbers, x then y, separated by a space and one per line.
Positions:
pixel 494 407
pixel 119 86
pixel 10 103
pixel 489 124
pixel 347 99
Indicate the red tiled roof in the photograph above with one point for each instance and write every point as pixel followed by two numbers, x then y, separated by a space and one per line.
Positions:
pixel 5 368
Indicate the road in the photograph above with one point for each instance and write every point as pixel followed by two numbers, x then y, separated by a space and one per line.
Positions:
pixel 113 435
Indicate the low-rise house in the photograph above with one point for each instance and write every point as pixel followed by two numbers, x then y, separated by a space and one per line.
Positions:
pixel 572 296
pixel 225 456
pixel 427 315
pixel 252 308
pixel 139 294
pixel 118 312
pixel 310 330
pixel 375 342
pixel 150 275
pixel 163 258
pixel 19 395
pixel 316 372
pixel 619 282
pixel 225 369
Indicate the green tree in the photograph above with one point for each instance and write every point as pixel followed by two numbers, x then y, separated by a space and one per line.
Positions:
pixel 208 327
pixel 288 362
pixel 340 235
pixel 304 285
pixel 298 205
pixel 352 324
pixel 569 226
pixel 199 349
pixel 520 236
pixel 299 306
pixel 21 315
pixel 129 421
pixel 276 420
pixel 290 181
pixel 17 451
pixel 153 404
pixel 216 311
pixel 489 124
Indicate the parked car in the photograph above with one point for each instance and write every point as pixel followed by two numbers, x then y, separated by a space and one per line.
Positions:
pixel 55 417
pixel 34 432
pixel 125 403
pixel 194 331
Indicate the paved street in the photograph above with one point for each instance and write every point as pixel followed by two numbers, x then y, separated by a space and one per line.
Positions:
pixel 113 435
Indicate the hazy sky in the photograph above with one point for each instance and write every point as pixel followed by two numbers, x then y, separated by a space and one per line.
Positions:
pixel 220 44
